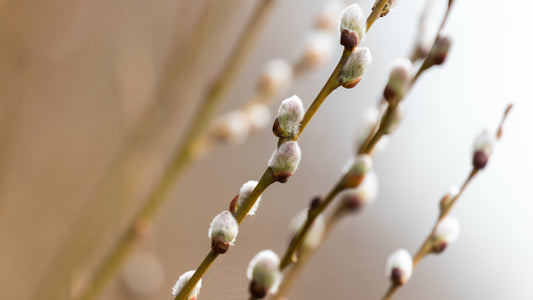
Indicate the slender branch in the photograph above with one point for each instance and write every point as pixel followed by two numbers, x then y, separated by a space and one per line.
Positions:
pixel 296 242
pixel 183 155
pixel 426 247
pixel 376 13
pixel 330 86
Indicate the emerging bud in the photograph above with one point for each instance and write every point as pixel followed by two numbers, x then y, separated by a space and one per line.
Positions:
pixel 290 114
pixel 182 281
pixel 314 235
pixel 352 26
pixel 387 8
pixel 285 160
pixel 263 271
pixel 399 267
pixel 246 190
pixel 355 67
pixel 363 195
pixel 314 51
pixel 448 198
pixel 223 231
pixel 440 50
pixel 355 170
pixel 327 18
pixel 232 127
pixel 423 41
pixel 276 77
pixel 399 79
pixel 483 146
pixel 258 115
pixel 447 232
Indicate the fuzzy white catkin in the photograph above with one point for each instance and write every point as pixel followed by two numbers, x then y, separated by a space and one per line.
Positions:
pixel 225 227
pixel 233 127
pixel 246 190
pixel 286 158
pixel 354 20
pixel 143 274
pixel 264 270
pixel 355 66
pixel 290 114
pixel 367 191
pixel 276 77
pixel 315 50
pixel 484 142
pixel 182 281
pixel 401 260
pixel 447 230
pixel 400 75
pixel 258 115
pixel 316 232
pixel 359 165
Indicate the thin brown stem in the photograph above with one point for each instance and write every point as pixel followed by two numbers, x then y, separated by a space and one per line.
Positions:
pixel 390 292
pixel 265 181
pixel 427 246
pixel 331 84
pixel 296 242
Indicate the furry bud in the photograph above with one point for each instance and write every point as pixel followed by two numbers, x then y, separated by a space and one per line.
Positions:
pixel 399 267
pixel 232 127
pixel 314 235
pixel 399 79
pixel 483 146
pixel 182 281
pixel 285 160
pixel 440 50
pixel 352 26
pixel 246 190
pixel 263 271
pixel 447 232
pixel 448 198
pixel 363 195
pixel 356 169
pixel 276 77
pixel 290 114
pixel 327 18
pixel 314 51
pixel 355 67
pixel 223 231
pixel 258 115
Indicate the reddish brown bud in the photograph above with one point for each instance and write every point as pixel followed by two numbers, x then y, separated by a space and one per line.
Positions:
pixel 282 176
pixel 440 59
pixel 351 84
pixel 315 203
pixel 233 204
pixel 257 291
pixel 389 93
pixel 352 202
pixel 220 246
pixel 349 40
pixel 480 159
pixel 276 129
pixel 439 247
pixel 397 276
pixel 353 180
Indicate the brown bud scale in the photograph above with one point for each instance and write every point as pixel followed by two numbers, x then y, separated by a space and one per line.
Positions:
pixel 276 129
pixel 389 93
pixel 282 176
pixel 349 40
pixel 480 160
pixel 397 277
pixel 352 181
pixel 257 291
pixel 352 203
pixel 315 203
pixel 219 245
pixel 233 204
pixel 351 84
pixel 438 247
